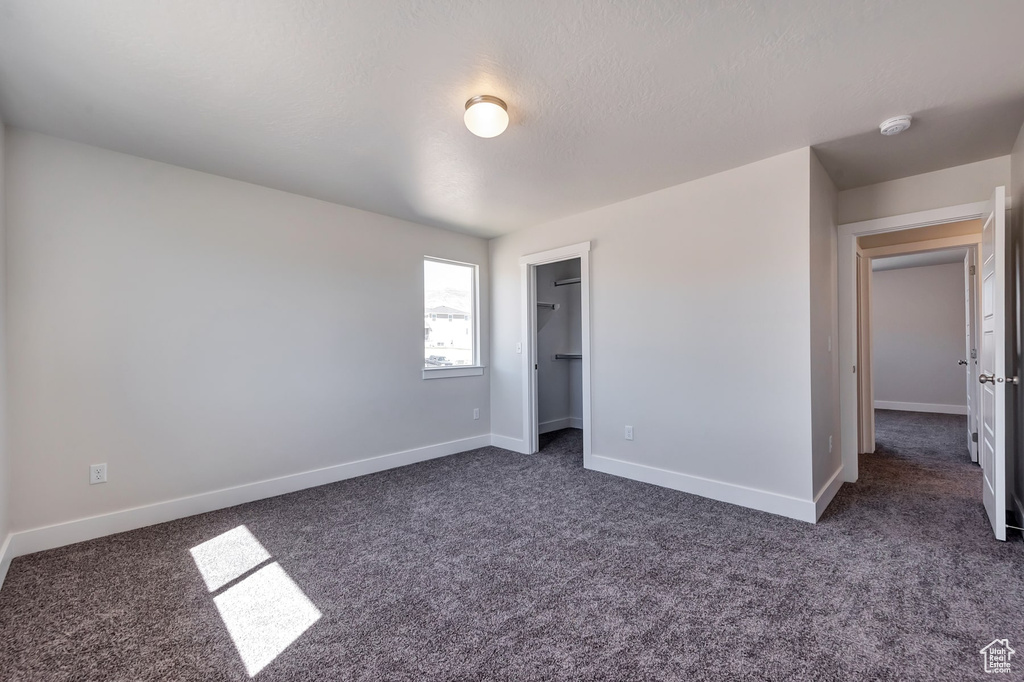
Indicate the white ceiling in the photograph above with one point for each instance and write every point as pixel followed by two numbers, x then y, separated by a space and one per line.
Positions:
pixel 918 260
pixel 360 102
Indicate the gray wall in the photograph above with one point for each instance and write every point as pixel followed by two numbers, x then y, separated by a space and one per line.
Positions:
pixel 559 382
pixel 947 187
pixel 825 417
pixel 198 333
pixel 5 492
pixel 918 334
pixel 700 328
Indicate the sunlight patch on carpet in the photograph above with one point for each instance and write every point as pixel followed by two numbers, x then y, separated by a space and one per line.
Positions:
pixel 266 611
pixel 228 556
pixel 264 614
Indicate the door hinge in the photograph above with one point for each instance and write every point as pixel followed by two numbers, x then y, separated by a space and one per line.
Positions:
pixel 535 366
pixel 972 269
pixel 974 437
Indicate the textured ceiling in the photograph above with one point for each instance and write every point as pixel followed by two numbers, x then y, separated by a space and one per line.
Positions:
pixel 360 102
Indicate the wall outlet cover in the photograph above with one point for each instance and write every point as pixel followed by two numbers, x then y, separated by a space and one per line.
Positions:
pixel 97 474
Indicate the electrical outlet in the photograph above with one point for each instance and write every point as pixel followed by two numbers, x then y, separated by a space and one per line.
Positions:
pixel 476 413
pixel 830 443
pixel 97 474
pixel 629 433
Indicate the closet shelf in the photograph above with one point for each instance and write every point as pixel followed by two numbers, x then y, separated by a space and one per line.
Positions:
pixel 566 282
pixel 568 356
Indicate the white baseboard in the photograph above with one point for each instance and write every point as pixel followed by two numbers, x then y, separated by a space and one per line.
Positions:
pixel 58 535
pixel 920 407
pixel 564 423
pixel 828 491
pixel 752 498
pixel 507 443
pixel 6 557
pixel 553 425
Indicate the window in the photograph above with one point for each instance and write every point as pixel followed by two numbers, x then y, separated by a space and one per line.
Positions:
pixel 450 312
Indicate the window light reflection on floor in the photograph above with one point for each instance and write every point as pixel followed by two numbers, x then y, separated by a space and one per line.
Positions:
pixel 266 611
pixel 228 556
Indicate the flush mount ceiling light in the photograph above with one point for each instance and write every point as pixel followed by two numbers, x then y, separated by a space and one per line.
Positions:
pixel 895 125
pixel 486 116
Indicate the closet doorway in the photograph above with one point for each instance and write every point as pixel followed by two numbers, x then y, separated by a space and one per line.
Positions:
pixel 556 347
pixel 559 346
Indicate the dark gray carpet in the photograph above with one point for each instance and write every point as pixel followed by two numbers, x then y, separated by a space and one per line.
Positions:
pixel 494 566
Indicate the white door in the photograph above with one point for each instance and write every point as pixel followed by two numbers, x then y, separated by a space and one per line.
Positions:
pixel 970 353
pixel 992 434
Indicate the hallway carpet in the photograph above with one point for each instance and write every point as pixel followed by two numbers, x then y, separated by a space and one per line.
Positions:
pixel 490 565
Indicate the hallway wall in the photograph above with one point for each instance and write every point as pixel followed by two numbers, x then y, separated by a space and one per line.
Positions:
pixel 917 325
pixel 947 187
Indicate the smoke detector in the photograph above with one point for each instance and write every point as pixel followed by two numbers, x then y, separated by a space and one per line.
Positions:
pixel 895 125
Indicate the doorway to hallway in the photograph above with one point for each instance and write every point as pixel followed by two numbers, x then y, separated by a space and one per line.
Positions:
pixel 922 331
pixel 997 384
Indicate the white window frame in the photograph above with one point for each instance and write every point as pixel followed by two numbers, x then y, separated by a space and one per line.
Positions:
pixel 473 370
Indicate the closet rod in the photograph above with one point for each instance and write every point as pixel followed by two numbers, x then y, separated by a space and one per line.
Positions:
pixel 568 356
pixel 553 306
pixel 565 282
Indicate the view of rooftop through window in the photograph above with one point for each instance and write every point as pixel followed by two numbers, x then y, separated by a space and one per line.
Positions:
pixel 449 330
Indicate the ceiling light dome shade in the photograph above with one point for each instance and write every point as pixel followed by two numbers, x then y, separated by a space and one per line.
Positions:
pixel 486 116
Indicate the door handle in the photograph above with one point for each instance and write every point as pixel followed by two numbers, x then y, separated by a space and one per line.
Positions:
pixel 961 362
pixel 992 379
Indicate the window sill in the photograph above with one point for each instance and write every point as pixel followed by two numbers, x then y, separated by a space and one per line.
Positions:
pixel 449 372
